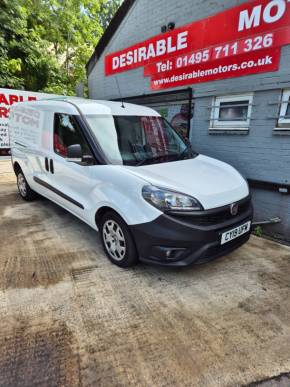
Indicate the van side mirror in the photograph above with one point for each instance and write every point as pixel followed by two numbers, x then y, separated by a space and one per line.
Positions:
pixel 74 153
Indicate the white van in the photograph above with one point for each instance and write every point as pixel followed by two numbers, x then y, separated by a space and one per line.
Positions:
pixel 124 170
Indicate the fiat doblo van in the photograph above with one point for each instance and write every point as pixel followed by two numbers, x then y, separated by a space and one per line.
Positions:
pixel 127 173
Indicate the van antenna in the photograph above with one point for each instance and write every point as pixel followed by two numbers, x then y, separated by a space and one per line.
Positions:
pixel 118 86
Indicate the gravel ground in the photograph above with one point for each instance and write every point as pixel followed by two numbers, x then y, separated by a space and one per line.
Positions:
pixel 70 318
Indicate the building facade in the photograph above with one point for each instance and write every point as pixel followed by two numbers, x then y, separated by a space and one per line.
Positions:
pixel 234 105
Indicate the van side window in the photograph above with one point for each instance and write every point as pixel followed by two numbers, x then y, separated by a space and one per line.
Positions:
pixel 66 133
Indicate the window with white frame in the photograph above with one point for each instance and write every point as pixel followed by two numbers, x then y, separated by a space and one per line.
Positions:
pixel 284 117
pixel 232 112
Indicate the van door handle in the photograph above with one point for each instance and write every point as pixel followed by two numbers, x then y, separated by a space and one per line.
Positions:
pixel 51 166
pixel 46 164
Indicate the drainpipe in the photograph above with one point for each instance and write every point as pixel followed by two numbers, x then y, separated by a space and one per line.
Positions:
pixel 270 221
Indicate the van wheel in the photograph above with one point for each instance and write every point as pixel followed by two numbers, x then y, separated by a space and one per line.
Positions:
pixel 24 189
pixel 117 240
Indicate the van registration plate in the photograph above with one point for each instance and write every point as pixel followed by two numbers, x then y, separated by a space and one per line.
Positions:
pixel 235 232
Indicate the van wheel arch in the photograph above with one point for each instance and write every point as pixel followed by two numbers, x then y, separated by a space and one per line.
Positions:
pixel 25 191
pixel 16 168
pixel 100 213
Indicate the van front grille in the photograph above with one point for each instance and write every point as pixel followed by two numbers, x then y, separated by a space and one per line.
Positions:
pixel 217 215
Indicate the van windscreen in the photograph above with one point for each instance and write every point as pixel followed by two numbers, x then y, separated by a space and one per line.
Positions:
pixel 138 140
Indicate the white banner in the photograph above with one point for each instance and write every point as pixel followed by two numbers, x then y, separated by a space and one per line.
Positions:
pixel 7 98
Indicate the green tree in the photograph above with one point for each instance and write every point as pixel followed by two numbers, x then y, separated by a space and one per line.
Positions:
pixel 45 44
pixel 26 62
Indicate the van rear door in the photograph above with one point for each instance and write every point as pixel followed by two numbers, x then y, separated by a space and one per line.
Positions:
pixel 30 135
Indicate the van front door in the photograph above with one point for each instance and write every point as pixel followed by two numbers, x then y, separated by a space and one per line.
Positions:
pixel 71 182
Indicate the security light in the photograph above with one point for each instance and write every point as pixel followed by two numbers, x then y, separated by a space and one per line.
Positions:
pixel 170 26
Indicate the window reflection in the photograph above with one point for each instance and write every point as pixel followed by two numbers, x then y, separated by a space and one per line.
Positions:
pixel 288 109
pixel 234 111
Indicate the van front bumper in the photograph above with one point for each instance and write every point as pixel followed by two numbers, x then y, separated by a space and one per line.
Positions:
pixel 182 241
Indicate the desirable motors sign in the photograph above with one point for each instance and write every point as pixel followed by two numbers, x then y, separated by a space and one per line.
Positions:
pixel 240 41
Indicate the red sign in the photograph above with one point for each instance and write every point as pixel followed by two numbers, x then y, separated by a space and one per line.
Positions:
pixel 250 27
pixel 258 42
pixel 246 64
pixel 7 98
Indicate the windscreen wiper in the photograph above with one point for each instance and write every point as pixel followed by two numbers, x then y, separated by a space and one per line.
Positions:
pixel 191 152
pixel 151 160
pixel 181 155
pixel 142 162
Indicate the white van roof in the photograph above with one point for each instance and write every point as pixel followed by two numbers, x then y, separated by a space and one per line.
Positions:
pixel 70 105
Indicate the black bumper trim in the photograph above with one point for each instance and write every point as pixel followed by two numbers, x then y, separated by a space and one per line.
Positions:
pixel 200 243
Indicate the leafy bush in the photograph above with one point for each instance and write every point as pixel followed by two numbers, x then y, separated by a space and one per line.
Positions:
pixel 45 44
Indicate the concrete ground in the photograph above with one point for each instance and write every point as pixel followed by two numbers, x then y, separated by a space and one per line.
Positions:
pixel 71 318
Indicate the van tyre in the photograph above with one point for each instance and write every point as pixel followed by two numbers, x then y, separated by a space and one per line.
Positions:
pixel 24 189
pixel 117 240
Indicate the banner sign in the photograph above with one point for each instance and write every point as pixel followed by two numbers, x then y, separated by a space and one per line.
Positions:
pixel 7 98
pixel 223 39
pixel 258 62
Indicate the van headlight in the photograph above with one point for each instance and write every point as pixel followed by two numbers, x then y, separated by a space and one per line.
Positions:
pixel 168 201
